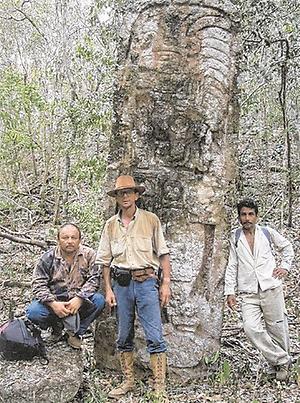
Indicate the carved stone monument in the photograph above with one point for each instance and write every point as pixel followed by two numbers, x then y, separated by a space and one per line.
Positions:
pixel 174 131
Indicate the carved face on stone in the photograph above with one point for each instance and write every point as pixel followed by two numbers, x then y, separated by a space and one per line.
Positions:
pixel 176 79
pixel 179 59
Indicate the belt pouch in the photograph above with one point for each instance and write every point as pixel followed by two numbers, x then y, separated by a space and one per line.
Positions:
pixel 123 279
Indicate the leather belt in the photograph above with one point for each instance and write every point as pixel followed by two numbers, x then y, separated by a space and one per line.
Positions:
pixel 142 274
pixel 139 275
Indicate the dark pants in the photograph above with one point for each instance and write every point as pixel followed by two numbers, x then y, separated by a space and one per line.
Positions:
pixel 44 317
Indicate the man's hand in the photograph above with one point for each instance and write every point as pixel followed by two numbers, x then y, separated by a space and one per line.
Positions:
pixel 164 294
pixel 74 304
pixel 59 308
pixel 110 298
pixel 279 272
pixel 231 301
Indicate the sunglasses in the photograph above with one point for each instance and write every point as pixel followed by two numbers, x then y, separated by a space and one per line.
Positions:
pixel 128 192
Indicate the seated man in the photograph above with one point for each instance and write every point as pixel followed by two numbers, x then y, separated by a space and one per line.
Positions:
pixel 64 284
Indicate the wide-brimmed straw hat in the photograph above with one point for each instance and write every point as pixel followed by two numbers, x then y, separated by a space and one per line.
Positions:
pixel 126 182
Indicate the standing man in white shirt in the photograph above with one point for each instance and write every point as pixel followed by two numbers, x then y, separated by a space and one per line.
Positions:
pixel 253 272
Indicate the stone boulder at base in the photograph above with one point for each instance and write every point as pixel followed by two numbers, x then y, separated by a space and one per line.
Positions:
pixel 36 382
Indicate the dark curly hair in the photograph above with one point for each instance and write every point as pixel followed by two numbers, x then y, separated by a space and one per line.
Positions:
pixel 247 202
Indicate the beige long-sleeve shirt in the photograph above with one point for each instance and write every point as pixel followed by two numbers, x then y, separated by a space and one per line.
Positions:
pixel 247 271
pixel 138 246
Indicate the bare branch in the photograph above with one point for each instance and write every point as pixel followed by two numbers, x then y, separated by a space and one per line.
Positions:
pixel 15 283
pixel 24 2
pixel 42 244
pixel 32 23
pixel 12 18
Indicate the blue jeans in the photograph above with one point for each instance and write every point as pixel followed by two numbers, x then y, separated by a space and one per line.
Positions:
pixel 44 317
pixel 144 297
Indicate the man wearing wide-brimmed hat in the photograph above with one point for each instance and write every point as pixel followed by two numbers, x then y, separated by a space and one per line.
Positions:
pixel 131 251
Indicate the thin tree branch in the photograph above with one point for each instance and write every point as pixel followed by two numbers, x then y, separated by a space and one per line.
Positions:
pixel 42 244
pixel 15 283
pixel 32 23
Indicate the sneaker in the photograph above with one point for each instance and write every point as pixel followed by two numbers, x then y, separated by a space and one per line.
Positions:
pixel 74 341
pixel 270 370
pixel 56 335
pixel 283 372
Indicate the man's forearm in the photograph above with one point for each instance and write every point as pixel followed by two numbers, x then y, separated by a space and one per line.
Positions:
pixel 42 293
pixel 231 271
pixel 285 247
pixel 50 303
pixel 166 268
pixel 106 278
pixel 92 284
pixel 40 284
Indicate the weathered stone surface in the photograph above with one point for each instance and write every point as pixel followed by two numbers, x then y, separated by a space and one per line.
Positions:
pixel 34 382
pixel 173 131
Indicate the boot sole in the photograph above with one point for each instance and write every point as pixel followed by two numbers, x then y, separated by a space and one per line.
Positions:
pixel 117 396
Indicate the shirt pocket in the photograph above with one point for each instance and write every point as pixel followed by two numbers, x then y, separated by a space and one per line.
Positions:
pixel 117 247
pixel 144 244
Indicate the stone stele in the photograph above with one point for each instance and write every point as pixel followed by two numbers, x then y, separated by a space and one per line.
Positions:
pixel 175 131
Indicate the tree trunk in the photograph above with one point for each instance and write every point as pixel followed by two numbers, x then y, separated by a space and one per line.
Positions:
pixel 174 128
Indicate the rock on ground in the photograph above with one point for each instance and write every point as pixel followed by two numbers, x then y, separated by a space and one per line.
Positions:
pixel 35 382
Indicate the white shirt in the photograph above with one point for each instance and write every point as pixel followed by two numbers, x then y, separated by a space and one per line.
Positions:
pixel 247 271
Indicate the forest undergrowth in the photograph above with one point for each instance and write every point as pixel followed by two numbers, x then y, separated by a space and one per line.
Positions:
pixel 235 374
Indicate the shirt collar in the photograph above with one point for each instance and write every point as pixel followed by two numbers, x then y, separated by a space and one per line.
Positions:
pixel 58 254
pixel 137 212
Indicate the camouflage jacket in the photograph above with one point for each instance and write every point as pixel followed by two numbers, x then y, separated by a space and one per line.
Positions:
pixel 54 280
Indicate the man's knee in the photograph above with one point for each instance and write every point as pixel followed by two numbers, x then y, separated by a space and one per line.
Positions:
pixel 37 312
pixel 99 301
pixel 251 330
